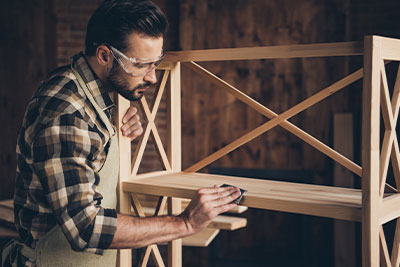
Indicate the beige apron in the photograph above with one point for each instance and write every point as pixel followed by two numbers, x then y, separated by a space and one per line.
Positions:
pixel 53 249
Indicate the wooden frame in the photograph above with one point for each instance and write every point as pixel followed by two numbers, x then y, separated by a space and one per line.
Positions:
pixel 374 205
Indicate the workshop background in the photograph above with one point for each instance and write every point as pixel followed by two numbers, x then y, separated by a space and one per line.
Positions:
pixel 38 35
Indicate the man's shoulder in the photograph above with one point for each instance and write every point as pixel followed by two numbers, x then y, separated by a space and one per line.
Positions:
pixel 58 94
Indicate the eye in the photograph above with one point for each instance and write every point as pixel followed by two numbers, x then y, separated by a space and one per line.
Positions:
pixel 141 65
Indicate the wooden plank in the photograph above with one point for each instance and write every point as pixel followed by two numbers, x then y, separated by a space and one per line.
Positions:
pixel 389 48
pixel 159 93
pixel 385 259
pixel 395 156
pixel 236 210
pixel 387 114
pixel 151 174
pixel 160 206
pixel 8 233
pixel 174 246
pixel 270 114
pixel 389 209
pixel 326 201
pixel 221 222
pixel 149 204
pixel 229 223
pixel 7 213
pixel 165 65
pixel 344 231
pixel 8 203
pixel 157 256
pixel 137 158
pixel 145 258
pixel 201 239
pixel 268 52
pixel 277 120
pixel 396 96
pixel 151 249
pixel 395 257
pixel 174 154
pixel 370 153
pixel 387 150
pixel 156 137
pixel 124 143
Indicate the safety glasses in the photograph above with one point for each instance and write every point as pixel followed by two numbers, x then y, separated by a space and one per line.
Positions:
pixel 137 67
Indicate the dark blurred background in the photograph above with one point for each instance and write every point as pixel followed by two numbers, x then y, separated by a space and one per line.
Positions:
pixel 38 35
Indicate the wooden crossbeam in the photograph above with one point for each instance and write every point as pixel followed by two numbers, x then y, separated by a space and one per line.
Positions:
pixel 150 127
pixel 395 156
pixel 390 133
pixel 174 154
pixel 278 119
pixel 395 257
pixel 268 52
pixel 155 135
pixel 385 258
pixel 309 139
pixel 151 249
pixel 396 96
pixel 389 48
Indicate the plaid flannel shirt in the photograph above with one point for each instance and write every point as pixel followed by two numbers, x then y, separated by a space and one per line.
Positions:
pixel 61 146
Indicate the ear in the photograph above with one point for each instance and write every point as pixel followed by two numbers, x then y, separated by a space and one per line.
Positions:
pixel 103 55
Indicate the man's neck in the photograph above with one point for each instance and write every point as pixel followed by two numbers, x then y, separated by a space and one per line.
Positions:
pixel 100 71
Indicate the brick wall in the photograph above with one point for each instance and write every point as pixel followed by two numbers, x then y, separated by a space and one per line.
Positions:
pixel 72 18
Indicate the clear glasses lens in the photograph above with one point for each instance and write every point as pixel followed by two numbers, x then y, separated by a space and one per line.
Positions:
pixel 133 66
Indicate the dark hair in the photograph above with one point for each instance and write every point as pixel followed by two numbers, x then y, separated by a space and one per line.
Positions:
pixel 114 20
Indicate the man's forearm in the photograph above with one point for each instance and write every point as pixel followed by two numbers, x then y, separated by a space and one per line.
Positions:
pixel 134 232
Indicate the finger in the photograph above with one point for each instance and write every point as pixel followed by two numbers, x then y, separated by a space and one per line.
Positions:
pixel 131 122
pixel 136 133
pixel 130 113
pixel 225 208
pixel 215 189
pixel 131 128
pixel 208 190
pixel 225 191
pixel 228 199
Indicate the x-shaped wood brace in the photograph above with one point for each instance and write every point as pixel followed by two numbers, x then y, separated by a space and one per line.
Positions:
pixel 281 120
pixel 390 150
pixel 151 249
pixel 151 127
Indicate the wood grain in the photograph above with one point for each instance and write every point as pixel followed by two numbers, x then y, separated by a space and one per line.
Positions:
pixel 340 203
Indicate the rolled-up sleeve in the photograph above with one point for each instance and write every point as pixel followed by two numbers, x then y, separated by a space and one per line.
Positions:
pixel 63 153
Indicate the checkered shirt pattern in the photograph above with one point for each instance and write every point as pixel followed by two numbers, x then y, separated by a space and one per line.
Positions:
pixel 61 146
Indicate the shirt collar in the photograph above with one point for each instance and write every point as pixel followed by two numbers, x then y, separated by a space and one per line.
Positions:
pixel 99 92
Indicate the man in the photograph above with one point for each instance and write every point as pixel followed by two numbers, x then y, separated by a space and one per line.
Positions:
pixel 65 195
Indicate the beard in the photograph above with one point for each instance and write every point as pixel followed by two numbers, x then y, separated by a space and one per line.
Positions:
pixel 122 87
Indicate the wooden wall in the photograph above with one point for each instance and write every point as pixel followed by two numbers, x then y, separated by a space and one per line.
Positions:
pixel 211 118
pixel 27 53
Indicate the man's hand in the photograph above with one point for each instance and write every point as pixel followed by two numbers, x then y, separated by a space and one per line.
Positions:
pixel 132 127
pixel 207 204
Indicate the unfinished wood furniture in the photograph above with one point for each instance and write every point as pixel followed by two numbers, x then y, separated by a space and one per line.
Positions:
pixel 376 204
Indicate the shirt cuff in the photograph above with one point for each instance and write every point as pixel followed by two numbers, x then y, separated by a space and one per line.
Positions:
pixel 104 229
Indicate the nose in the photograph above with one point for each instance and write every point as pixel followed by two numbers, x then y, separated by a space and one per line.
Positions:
pixel 151 76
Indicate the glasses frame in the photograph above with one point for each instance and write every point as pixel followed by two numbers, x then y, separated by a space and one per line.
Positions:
pixel 152 63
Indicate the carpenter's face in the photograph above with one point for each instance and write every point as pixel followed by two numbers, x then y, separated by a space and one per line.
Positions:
pixel 131 79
